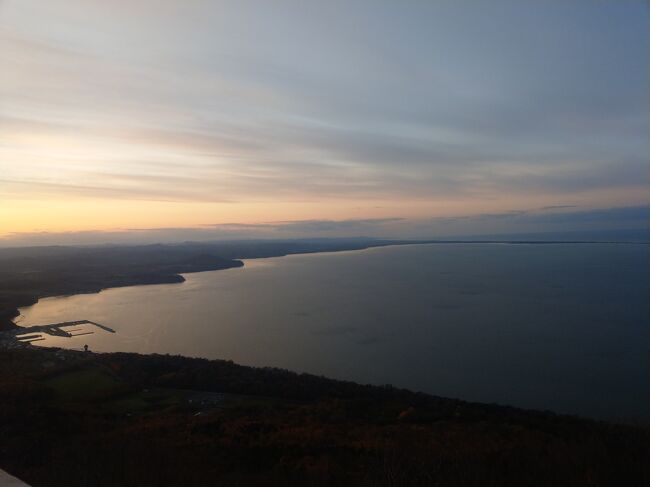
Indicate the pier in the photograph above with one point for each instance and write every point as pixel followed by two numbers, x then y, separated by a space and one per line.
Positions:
pixel 35 333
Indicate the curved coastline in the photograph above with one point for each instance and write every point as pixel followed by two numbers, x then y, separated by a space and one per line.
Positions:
pixel 30 274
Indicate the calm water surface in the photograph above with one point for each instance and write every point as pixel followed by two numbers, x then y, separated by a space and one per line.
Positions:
pixel 561 327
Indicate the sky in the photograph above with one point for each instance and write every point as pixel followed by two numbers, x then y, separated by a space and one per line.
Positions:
pixel 197 119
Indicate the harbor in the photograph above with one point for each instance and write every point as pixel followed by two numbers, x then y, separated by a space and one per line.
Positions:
pixel 23 336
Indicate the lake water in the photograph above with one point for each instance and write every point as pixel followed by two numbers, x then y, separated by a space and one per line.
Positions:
pixel 560 327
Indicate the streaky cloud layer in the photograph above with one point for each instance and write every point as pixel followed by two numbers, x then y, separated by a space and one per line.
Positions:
pixel 172 114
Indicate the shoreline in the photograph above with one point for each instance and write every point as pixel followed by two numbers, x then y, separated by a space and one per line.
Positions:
pixel 10 311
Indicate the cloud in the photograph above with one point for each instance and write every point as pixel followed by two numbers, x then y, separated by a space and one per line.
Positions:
pixel 122 101
pixel 619 215
pixel 230 231
pixel 317 226
pixel 554 218
pixel 538 220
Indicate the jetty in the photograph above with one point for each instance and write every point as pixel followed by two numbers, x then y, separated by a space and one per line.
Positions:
pixel 35 333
